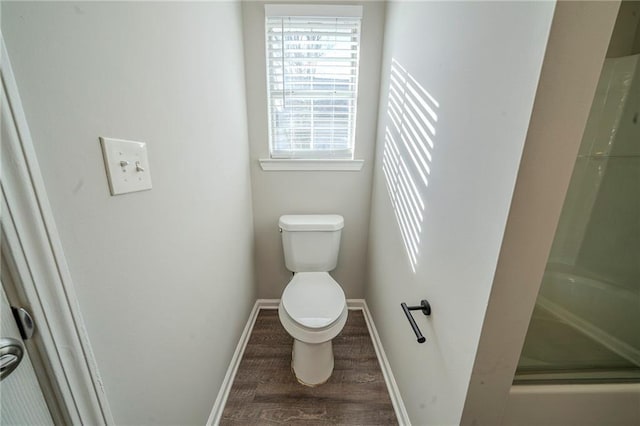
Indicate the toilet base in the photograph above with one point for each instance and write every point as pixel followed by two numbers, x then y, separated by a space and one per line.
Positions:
pixel 312 363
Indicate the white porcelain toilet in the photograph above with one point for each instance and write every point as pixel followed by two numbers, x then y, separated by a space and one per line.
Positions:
pixel 313 308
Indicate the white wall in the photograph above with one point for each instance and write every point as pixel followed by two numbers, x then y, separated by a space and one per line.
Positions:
pixel 164 277
pixel 346 193
pixel 477 71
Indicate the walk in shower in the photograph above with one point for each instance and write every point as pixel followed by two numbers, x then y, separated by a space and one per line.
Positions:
pixel 586 324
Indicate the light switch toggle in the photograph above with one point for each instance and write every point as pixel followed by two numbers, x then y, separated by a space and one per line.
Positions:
pixel 139 168
pixel 124 163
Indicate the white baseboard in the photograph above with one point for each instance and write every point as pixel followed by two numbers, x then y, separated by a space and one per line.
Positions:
pixel 225 388
pixel 356 304
pixel 352 304
pixel 268 303
pixel 392 386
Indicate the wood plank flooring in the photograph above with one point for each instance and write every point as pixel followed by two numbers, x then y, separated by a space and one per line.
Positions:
pixel 266 392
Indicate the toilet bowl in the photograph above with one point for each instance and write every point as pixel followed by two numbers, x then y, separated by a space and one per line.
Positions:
pixel 313 310
pixel 313 307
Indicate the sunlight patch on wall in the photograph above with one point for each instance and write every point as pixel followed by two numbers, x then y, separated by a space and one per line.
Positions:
pixel 407 154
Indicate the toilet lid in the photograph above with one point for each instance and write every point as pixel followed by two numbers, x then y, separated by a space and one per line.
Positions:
pixel 313 299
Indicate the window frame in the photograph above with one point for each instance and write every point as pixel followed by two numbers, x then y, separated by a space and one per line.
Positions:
pixel 321 159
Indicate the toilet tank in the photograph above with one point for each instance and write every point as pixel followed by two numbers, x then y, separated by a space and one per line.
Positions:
pixel 311 242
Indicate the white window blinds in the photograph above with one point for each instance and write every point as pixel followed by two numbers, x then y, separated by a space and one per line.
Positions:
pixel 312 78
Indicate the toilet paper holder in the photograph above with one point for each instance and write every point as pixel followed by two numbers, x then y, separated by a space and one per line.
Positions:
pixel 425 307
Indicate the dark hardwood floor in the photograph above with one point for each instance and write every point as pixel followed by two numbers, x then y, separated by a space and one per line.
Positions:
pixel 265 390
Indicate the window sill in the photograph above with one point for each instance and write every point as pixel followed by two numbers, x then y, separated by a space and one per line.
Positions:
pixel 271 164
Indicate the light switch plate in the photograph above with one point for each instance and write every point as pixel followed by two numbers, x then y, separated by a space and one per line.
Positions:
pixel 127 165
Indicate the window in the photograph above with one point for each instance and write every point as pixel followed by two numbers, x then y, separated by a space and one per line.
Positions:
pixel 312 80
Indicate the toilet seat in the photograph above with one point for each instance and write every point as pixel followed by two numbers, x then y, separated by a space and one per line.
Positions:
pixel 314 300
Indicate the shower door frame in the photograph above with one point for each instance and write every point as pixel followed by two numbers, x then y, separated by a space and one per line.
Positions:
pixel 579 37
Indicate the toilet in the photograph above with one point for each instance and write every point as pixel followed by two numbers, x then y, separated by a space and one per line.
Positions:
pixel 313 307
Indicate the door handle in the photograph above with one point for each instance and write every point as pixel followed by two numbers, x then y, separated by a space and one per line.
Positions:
pixel 26 326
pixel 11 352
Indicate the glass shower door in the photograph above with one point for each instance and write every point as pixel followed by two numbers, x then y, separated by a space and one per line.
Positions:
pixel 586 323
